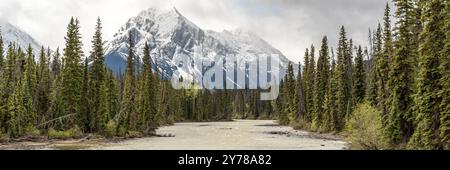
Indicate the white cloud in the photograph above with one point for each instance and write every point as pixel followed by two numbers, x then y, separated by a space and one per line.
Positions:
pixel 289 25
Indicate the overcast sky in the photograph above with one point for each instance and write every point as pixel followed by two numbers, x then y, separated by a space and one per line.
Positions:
pixel 289 25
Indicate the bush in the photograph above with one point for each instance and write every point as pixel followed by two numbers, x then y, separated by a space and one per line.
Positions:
pixel 365 130
pixel 4 137
pixel 110 129
pixel 134 134
pixel 68 134
pixel 31 131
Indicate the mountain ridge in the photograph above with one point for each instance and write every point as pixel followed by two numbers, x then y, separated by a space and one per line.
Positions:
pixel 170 34
pixel 14 35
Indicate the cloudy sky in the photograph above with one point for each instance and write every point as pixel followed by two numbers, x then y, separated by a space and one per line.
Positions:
pixel 289 25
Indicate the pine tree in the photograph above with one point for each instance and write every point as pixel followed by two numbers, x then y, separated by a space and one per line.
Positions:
pixel 7 87
pixel 86 118
pixel 374 78
pixel 281 104
pixel 43 87
pixel 56 64
pixel 306 84
pixel 400 82
pixel 96 76
pixel 359 77
pixel 128 109
pixel 428 100
pixel 56 108
pixel 300 95
pixel 29 118
pixel 444 69
pixel 290 92
pixel 416 27
pixel 15 113
pixel 105 108
pixel 321 84
pixel 72 76
pixel 30 73
pixel 383 61
pixel 310 87
pixel 330 120
pixel 113 96
pixel 343 80
pixel 349 73
pixel 147 108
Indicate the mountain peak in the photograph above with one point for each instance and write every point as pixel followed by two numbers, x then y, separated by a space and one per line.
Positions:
pixel 13 34
pixel 151 13
pixel 170 35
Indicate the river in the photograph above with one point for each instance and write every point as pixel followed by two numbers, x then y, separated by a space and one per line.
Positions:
pixel 233 135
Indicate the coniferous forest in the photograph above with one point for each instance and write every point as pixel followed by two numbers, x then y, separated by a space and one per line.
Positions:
pixel 391 94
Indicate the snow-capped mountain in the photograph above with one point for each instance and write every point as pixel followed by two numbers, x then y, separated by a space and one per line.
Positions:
pixel 170 34
pixel 13 34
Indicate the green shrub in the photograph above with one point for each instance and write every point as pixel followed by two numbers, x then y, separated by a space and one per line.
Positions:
pixel 134 134
pixel 110 129
pixel 67 134
pixel 121 131
pixel 365 130
pixel 4 137
pixel 32 131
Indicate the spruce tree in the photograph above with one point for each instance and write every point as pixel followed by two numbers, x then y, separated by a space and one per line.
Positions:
pixel 56 64
pixel 300 95
pixel 359 77
pixel 374 78
pixel 281 103
pixel 43 87
pixel 7 87
pixel 310 88
pixel 428 100
pixel 29 118
pixel 56 109
pixel 30 73
pixel 382 65
pixel 128 109
pixel 147 108
pixel 321 83
pixel 96 76
pixel 444 69
pixel 400 117
pixel 343 80
pixel 15 112
pixel 72 77
pixel 330 121
pixel 306 84
pixel 290 92
pixel 104 112
pixel 349 73
pixel 86 118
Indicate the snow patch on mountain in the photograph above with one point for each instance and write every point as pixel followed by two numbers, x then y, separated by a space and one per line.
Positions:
pixel 13 34
pixel 170 35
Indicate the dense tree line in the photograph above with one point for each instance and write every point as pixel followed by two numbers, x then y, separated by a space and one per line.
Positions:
pixel 405 79
pixel 401 79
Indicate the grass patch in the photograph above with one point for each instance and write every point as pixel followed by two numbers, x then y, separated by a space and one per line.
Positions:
pixel 67 134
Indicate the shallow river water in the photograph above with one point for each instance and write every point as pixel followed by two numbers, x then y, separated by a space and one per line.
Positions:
pixel 234 135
